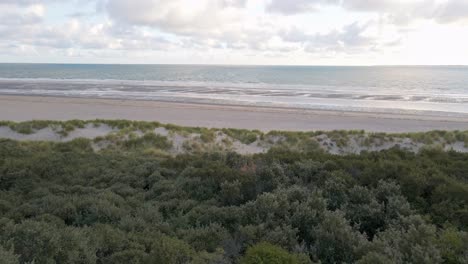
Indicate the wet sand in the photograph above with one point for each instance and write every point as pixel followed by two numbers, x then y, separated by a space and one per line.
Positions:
pixel 22 108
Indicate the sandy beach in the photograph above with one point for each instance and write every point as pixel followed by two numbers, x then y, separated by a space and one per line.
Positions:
pixel 22 108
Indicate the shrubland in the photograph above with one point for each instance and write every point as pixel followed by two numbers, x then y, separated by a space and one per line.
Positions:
pixel 64 202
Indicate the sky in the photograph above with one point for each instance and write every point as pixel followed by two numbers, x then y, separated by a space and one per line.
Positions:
pixel 252 32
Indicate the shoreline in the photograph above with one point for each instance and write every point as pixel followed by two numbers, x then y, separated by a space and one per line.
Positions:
pixel 23 108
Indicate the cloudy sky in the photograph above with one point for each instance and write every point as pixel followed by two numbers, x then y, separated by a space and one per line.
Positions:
pixel 312 32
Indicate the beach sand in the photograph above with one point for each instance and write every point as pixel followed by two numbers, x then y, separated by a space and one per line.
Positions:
pixel 23 108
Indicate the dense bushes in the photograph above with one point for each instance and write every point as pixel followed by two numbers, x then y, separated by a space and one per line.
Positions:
pixel 64 203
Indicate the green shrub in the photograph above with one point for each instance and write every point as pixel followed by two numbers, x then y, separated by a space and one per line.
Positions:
pixel 131 202
pixel 244 136
pixel 265 253
pixel 149 139
pixel 207 135
pixel 8 256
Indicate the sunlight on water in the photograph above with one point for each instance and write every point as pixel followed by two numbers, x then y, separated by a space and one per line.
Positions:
pixel 441 89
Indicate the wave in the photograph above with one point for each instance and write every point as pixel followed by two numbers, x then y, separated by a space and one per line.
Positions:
pixel 297 96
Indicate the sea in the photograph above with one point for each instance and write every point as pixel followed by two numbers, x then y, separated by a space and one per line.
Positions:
pixel 434 90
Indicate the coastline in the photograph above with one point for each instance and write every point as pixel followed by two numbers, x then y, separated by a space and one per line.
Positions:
pixel 23 108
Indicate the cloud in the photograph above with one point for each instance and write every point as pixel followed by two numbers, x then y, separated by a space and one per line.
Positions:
pixel 451 11
pixel 32 2
pixel 304 6
pixel 292 7
pixel 20 2
pixel 378 6
pixel 350 38
pixel 23 29
pixel 263 28
pixel 178 16
pixel 19 16
pixel 74 34
pixel 216 24
pixel 397 11
pixel 149 24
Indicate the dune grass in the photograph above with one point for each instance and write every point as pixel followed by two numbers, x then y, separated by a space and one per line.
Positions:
pixel 132 131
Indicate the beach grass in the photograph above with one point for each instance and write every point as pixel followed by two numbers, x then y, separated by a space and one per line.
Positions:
pixel 142 133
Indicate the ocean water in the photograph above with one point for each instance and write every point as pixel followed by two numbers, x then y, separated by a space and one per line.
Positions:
pixel 437 90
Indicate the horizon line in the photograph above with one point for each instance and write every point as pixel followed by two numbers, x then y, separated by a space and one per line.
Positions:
pixel 248 65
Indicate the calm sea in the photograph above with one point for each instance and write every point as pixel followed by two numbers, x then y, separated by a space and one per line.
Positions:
pixel 441 90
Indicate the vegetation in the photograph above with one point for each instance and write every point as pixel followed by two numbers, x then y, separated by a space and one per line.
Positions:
pixel 29 127
pixel 265 253
pixel 243 135
pixel 341 140
pixel 66 203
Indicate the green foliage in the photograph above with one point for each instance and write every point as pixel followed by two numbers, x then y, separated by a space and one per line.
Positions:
pixel 65 203
pixel 265 253
pixel 147 140
pixel 172 251
pixel 336 241
pixel 207 135
pixel 198 139
pixel 413 241
pixel 44 242
pixel 243 135
pixel 452 245
pixel 340 137
pixel 8 256
pixel 29 127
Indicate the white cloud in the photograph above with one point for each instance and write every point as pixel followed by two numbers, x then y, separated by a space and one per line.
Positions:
pixel 177 16
pixel 20 2
pixel 204 25
pixel 398 11
pixel 224 29
pixel 74 34
pixel 215 24
pixel 451 11
pixel 292 7
pixel 12 15
pixel 350 39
